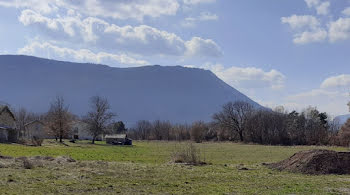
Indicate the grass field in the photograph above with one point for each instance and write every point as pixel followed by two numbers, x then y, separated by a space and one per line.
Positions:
pixel 146 168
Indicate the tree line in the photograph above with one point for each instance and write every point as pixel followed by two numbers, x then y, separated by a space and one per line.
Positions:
pixel 58 120
pixel 241 122
pixel 236 121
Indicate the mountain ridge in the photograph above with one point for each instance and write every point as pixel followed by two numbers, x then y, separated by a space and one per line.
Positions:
pixel 342 118
pixel 175 93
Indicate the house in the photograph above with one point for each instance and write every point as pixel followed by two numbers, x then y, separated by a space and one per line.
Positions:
pixel 118 139
pixel 8 131
pixel 80 130
pixel 34 129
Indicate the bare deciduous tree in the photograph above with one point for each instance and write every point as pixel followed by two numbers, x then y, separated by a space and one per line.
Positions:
pixel 344 133
pixel 161 130
pixel 58 118
pixel 198 131
pixel 234 116
pixel 21 120
pixel 23 117
pixel 99 117
pixel 143 128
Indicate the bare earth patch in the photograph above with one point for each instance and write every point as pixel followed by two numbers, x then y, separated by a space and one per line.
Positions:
pixel 316 162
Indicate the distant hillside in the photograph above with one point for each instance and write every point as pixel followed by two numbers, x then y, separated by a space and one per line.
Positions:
pixel 172 93
pixel 342 119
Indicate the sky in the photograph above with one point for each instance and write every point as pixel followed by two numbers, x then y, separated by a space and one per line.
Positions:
pixel 291 53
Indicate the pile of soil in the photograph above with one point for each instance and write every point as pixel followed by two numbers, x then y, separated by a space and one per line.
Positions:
pixel 316 162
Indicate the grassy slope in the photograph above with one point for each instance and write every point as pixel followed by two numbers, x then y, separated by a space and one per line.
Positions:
pixel 146 168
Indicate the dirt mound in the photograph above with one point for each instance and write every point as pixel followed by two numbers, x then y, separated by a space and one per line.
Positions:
pixel 316 162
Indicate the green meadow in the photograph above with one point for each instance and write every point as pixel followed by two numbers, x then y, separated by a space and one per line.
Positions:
pixel 147 168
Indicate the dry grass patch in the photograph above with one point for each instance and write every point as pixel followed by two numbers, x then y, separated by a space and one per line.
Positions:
pixel 33 162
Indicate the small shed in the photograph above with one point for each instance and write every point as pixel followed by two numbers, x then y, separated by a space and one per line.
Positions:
pixel 8 132
pixel 118 139
pixel 34 129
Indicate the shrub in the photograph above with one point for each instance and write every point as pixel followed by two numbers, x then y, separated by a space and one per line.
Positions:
pixel 344 134
pixel 27 164
pixel 198 131
pixel 22 141
pixel 36 141
pixel 189 155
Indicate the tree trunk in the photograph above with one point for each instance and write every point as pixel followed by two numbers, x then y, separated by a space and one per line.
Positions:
pixel 61 138
pixel 241 136
pixel 93 140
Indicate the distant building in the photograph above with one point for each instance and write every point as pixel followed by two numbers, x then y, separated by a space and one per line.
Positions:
pixel 80 130
pixel 34 129
pixel 8 131
pixel 118 139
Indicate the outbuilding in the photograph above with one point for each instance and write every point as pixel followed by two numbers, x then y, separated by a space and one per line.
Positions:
pixel 118 139
pixel 8 131
pixel 34 129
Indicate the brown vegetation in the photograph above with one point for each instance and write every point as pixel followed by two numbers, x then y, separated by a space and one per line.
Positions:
pixel 33 162
pixel 58 119
pixel 235 116
pixel 238 121
pixel 99 117
pixel 344 134
pixel 189 155
pixel 198 131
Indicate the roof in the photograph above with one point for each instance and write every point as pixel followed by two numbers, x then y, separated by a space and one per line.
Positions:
pixel 4 127
pixel 78 122
pixel 4 108
pixel 116 136
pixel 35 121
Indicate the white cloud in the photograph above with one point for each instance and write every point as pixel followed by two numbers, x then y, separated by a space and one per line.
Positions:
pixel 301 22
pixel 194 2
pixel 346 11
pixel 339 29
pixel 310 36
pixel 248 78
pixel 312 3
pixel 323 8
pixel 131 9
pixel 314 93
pixel 4 52
pixel 141 39
pixel 135 9
pixel 334 102
pixel 45 7
pixel 29 17
pixel 332 96
pixel 202 48
pixel 204 16
pixel 48 50
pixel 307 28
pixel 116 9
pixel 337 81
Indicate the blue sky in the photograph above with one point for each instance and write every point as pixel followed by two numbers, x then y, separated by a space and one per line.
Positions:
pixel 293 53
